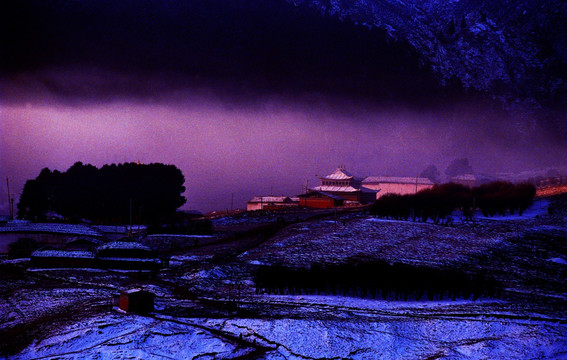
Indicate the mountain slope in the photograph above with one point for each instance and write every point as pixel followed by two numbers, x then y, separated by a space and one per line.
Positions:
pixel 514 51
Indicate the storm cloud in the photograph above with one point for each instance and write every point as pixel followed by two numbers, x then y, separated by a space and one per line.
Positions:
pixel 246 97
pixel 243 47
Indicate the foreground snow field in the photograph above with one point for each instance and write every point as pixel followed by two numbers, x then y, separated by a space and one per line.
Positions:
pixel 403 338
pixel 356 334
pixel 207 306
pixel 121 336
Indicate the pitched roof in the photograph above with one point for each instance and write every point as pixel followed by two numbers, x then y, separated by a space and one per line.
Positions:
pixel 329 188
pixel 344 189
pixel 397 180
pixel 339 174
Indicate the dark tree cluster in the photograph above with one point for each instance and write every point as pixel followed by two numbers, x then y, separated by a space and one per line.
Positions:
pixel 111 194
pixel 437 203
pixel 377 280
pixel 498 197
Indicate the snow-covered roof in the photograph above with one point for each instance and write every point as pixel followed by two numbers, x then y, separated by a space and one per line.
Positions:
pixel 126 245
pixel 71 229
pixel 177 236
pixel 397 180
pixel 270 199
pixel 329 188
pixel 339 174
pixel 63 254
pixel 136 290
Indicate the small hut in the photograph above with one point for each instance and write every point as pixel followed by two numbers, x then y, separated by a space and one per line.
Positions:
pixel 137 301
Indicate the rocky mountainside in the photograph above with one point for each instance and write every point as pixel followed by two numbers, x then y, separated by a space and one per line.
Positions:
pixel 513 51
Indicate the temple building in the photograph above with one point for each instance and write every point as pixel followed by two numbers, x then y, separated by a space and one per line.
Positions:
pixel 341 185
pixel 396 184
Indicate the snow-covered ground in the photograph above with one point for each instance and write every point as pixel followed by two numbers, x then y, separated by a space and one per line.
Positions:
pixel 354 329
pixel 117 336
pixel 403 338
pixel 326 242
pixel 528 323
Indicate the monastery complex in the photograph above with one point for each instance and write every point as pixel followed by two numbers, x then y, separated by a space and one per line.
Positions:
pixel 341 188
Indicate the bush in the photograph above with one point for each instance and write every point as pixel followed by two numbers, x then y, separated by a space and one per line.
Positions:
pixel 437 203
pixel 376 279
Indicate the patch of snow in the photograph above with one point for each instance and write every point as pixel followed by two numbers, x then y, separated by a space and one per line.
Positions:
pixel 538 208
pixel 256 262
pixel 66 269
pixel 16 261
pixel 214 273
pixel 478 28
pixel 192 258
pixel 83 254
pixel 558 260
pixel 353 303
pixel 129 245
pixel 181 236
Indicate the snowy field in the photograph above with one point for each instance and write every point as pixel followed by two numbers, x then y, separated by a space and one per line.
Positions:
pixel 69 315
pixel 326 241
pixel 356 334
pixel 402 338
pixel 133 337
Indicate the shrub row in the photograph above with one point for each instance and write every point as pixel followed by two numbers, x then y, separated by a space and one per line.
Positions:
pixel 439 202
pixel 377 280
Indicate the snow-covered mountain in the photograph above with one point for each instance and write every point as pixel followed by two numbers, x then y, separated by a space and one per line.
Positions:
pixel 506 47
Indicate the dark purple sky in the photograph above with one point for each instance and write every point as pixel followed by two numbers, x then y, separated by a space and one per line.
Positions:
pixel 245 100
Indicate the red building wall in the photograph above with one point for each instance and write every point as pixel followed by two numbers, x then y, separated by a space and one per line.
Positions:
pixel 319 202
